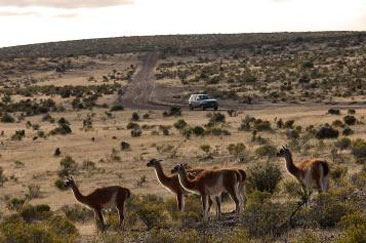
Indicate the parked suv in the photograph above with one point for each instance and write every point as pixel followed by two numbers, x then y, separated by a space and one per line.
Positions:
pixel 202 101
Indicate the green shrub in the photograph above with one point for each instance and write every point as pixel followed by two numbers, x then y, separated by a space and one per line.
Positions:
pixel 347 131
pixel 135 116
pixel 117 108
pixel 291 188
pixel 77 213
pixel 239 151
pixel 68 166
pixel 260 125
pixel 18 135
pixel 307 237
pixel 337 123
pixel 180 124
pixel 136 132
pixel 343 143
pixel 217 131
pixel 217 117
pixel 239 236
pixel 326 132
pixel 7 118
pixel 35 213
pixel 359 179
pixel 351 111
pixel 266 150
pixel 262 217
pixel 149 209
pixel 49 230
pixel 349 120
pixel 191 214
pixel 62 129
pixel 264 178
pixel 354 234
pixel 132 125
pixel 289 124
pixel 327 211
pixel 198 131
pixel 334 111
pixel 60 184
pixel 338 172
pixel 358 148
pixel 354 219
pixel 173 111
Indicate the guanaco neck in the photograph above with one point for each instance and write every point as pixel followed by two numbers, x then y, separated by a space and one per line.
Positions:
pixel 161 175
pixel 291 167
pixel 80 197
pixel 185 181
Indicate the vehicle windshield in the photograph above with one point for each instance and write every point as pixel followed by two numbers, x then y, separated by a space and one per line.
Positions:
pixel 204 97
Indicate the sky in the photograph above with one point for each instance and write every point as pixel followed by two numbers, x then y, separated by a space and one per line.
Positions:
pixel 36 21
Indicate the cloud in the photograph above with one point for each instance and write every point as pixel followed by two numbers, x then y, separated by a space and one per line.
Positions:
pixel 66 4
pixel 14 14
pixel 66 16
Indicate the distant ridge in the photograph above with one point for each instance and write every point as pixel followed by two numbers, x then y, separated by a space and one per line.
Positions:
pixel 168 43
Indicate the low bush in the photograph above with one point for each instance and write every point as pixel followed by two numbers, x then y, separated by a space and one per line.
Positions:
pixel 117 108
pixel 135 116
pixel 180 124
pixel 132 125
pixel 349 120
pixel 327 211
pixel 358 148
pixel 18 135
pixel 337 123
pixel 326 132
pixel 264 178
pixel 136 132
pixel 7 118
pixel 266 150
pixel 347 131
pixel 262 217
pixel 354 234
pixel 217 117
pixel 62 129
pixel 47 230
pixel 239 151
pixel 68 166
pixel 36 213
pixel 334 111
pixel 343 143
pixel 77 213
pixel 338 173
pixel 173 111
pixel 149 209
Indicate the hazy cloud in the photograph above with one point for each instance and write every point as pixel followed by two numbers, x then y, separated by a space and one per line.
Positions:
pixel 66 16
pixel 63 3
pixel 14 14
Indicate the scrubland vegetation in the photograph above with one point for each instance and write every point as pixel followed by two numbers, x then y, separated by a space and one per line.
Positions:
pixel 62 116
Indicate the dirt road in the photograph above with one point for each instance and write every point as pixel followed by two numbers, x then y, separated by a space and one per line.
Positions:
pixel 140 92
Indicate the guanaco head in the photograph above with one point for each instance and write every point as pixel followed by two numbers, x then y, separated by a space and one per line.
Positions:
pixel 69 182
pixel 153 162
pixel 180 168
pixel 284 151
pixel 175 169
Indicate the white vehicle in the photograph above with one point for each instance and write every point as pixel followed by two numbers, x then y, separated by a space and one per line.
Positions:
pixel 202 101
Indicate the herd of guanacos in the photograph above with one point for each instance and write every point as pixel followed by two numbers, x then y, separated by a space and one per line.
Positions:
pixel 208 183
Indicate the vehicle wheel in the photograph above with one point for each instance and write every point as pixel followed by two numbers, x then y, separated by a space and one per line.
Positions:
pixel 203 108
pixel 215 108
pixel 191 107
